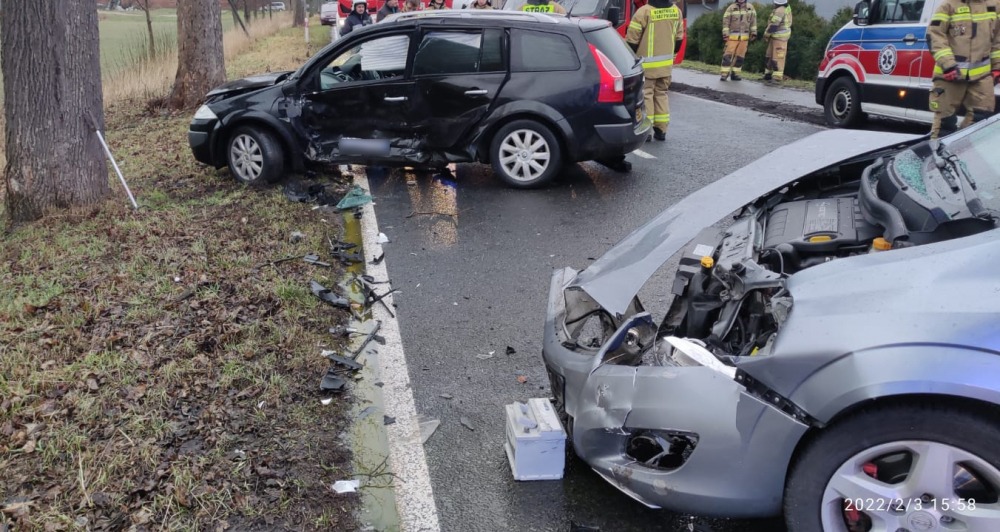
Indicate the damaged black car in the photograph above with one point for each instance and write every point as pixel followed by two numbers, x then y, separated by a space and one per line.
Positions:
pixel 526 92
pixel 828 345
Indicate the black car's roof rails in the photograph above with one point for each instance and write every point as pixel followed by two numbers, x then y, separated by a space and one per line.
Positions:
pixel 463 14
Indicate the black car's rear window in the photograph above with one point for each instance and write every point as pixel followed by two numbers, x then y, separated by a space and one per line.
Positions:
pixel 612 45
pixel 536 51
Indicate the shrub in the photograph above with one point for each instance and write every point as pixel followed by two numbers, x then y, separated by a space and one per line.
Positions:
pixel 810 35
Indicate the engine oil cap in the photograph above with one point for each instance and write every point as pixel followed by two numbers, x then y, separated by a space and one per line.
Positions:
pixel 707 262
pixel 881 244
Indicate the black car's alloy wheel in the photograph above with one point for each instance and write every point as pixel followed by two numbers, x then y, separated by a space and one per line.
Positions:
pixel 525 154
pixel 907 467
pixel 255 156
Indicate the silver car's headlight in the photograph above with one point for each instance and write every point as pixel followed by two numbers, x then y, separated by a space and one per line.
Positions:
pixel 204 113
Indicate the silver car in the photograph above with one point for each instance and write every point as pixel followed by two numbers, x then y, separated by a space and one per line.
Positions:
pixel 830 351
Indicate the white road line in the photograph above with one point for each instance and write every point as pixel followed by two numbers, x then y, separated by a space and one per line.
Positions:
pixel 644 155
pixel 414 497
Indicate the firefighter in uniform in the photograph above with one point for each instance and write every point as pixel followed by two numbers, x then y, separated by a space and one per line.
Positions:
pixel 779 30
pixel 739 28
pixel 653 33
pixel 965 40
pixel 543 6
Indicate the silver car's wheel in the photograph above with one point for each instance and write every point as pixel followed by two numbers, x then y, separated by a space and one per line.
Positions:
pixel 525 154
pixel 247 158
pixel 911 485
pixel 902 466
pixel 255 156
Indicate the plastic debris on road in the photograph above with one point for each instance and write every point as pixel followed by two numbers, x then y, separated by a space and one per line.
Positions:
pixel 382 238
pixel 354 198
pixel 346 486
pixel 427 427
pixel 466 423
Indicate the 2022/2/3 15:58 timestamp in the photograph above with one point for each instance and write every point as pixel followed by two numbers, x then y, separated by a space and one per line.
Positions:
pixel 901 505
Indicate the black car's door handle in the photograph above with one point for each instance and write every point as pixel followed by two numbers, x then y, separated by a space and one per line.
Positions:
pixel 477 92
pixel 395 98
pixel 910 38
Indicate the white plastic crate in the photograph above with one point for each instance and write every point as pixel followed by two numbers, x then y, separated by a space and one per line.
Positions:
pixel 536 441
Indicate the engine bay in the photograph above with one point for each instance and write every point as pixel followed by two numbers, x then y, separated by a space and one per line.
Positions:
pixel 729 290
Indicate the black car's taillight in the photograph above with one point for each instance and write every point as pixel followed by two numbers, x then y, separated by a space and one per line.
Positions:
pixel 612 87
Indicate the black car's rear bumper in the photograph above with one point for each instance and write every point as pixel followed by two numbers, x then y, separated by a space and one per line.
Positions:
pixel 623 138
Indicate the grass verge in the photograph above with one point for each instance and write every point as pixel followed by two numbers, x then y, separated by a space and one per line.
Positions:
pixel 807 85
pixel 155 368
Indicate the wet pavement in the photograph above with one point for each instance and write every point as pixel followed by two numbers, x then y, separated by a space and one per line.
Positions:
pixel 473 258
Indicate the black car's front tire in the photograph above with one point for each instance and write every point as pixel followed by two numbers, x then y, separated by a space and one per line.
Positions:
pixel 525 154
pixel 255 156
pixel 893 468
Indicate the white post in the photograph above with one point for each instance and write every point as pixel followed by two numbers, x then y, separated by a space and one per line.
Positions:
pixel 306 14
pixel 107 151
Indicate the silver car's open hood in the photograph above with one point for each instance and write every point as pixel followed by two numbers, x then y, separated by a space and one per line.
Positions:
pixel 615 278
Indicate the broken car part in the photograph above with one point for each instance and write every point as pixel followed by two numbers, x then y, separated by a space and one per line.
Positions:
pixel 372 335
pixel 781 318
pixel 332 382
pixel 328 296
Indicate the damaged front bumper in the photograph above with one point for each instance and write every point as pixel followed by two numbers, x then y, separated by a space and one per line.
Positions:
pixel 686 437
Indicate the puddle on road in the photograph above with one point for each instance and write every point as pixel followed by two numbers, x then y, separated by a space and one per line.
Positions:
pixel 367 434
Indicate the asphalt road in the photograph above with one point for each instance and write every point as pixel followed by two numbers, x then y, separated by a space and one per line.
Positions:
pixel 473 260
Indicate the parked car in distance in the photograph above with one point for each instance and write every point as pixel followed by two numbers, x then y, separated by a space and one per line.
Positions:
pixel 829 352
pixel 278 6
pixel 525 92
pixel 328 14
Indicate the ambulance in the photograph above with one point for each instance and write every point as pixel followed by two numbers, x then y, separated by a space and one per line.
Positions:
pixel 879 64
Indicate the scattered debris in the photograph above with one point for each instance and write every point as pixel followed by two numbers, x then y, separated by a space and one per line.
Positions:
pixel 348 363
pixel 382 238
pixel 306 192
pixel 523 379
pixel 331 382
pixel 346 486
pixel 427 427
pixel 328 296
pixel 378 260
pixel 354 198
pixel 314 260
pixel 380 384
pixel 371 336
pixel 574 527
pixel 296 237
pixel 367 412
pixel 487 356
pixel 341 251
pixel 466 423
pixel 446 396
pixel 327 401
pixel 343 331
pixel 388 420
pixel 510 351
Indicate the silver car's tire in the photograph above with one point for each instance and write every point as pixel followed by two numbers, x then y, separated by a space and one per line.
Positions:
pixel 913 467
pixel 255 156
pixel 525 154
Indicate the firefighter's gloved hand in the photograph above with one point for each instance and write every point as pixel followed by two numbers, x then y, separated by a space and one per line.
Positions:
pixel 996 76
pixel 951 74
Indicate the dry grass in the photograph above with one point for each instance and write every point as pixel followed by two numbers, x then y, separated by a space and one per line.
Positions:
pixel 151 373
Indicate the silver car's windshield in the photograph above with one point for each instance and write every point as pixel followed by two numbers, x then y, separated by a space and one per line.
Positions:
pixel 979 151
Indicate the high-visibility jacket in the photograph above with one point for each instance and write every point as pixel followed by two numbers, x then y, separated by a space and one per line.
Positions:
pixel 547 7
pixel 779 27
pixel 964 34
pixel 739 22
pixel 654 30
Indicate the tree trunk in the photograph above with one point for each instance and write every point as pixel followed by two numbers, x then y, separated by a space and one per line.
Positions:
pixel 144 4
pixel 52 103
pixel 246 11
pixel 200 57
pixel 298 12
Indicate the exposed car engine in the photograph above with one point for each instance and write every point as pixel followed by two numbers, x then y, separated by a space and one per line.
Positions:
pixel 730 287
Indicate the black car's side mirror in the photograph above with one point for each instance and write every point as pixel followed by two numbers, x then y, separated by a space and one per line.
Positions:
pixel 615 16
pixel 861 13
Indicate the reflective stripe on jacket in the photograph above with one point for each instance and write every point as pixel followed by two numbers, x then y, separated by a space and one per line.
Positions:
pixel 655 30
pixel 739 22
pixel 964 34
pixel 779 27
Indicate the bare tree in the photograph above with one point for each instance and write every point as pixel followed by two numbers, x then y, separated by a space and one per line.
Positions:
pixel 246 11
pixel 52 104
pixel 144 5
pixel 298 13
pixel 200 57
